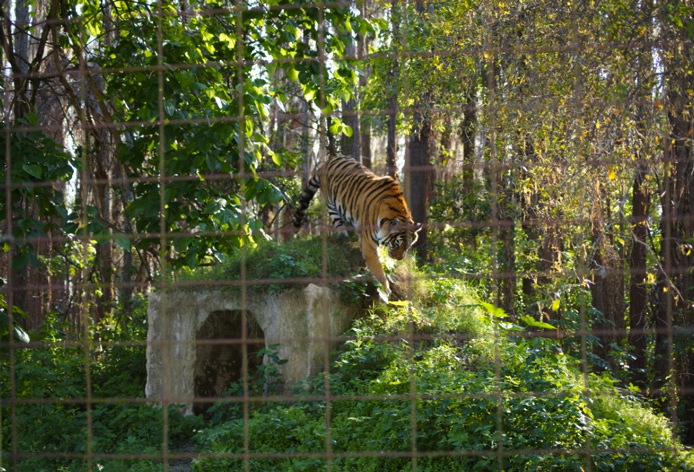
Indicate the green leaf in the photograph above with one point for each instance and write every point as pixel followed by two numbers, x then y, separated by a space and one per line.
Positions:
pixel 122 240
pixel 495 311
pixel 328 109
pixel 310 94
pixel 35 170
pixel 532 322
pixel 229 40
pixel 292 73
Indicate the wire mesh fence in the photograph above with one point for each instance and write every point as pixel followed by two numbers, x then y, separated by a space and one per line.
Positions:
pixel 160 311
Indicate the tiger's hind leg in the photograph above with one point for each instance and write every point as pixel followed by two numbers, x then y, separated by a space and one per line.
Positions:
pixel 338 222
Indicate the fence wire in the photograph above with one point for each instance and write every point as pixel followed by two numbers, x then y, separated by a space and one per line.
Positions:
pixel 159 311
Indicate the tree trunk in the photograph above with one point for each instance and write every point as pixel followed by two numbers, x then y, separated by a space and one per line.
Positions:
pixel 421 178
pixel 507 260
pixel 638 291
pixel 128 273
pixel 28 279
pixel 366 157
pixel 638 315
pixel 468 129
pixel 350 145
pixel 607 291
pixel 393 78
pixel 676 284
pixel 502 221
pixel 364 126
pixel 676 288
pixel 103 258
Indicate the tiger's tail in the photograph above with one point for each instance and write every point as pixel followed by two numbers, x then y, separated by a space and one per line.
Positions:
pixel 305 200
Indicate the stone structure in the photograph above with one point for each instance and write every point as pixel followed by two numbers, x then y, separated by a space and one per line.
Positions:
pixel 195 338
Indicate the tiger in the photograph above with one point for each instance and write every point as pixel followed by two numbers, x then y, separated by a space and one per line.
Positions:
pixel 358 200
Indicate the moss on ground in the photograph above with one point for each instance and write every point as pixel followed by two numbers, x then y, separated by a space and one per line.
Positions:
pixel 275 267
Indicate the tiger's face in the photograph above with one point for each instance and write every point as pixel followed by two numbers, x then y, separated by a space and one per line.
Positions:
pixel 401 237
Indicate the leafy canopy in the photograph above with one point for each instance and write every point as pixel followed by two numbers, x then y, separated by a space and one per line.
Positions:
pixel 192 95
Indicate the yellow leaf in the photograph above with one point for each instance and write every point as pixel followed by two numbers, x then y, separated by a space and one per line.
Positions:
pixel 402 303
pixel 556 304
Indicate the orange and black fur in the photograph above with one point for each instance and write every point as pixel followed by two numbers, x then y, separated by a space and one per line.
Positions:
pixel 374 207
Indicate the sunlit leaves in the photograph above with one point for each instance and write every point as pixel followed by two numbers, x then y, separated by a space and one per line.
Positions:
pixel 212 102
pixel 338 127
pixel 533 323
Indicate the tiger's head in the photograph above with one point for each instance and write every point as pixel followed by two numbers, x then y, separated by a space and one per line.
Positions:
pixel 401 235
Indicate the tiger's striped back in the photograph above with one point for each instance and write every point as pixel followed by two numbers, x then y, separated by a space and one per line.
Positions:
pixel 372 206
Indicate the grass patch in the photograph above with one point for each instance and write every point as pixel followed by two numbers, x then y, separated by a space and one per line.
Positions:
pixel 276 267
pixel 273 268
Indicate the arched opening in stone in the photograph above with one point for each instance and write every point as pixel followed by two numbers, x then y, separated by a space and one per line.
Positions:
pixel 219 354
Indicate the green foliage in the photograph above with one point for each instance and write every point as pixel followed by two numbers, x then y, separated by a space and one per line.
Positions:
pixel 444 373
pixel 201 120
pixel 120 371
pixel 297 261
pixel 465 386
pixel 265 380
pixel 9 320
pixel 204 143
pixel 268 373
pixel 37 210
pixel 190 98
pixel 53 415
pixel 463 215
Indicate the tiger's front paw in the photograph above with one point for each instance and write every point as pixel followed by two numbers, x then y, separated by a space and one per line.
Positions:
pixel 383 293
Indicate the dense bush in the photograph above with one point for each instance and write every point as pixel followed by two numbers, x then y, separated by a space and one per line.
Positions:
pixel 54 423
pixel 444 383
pixel 457 386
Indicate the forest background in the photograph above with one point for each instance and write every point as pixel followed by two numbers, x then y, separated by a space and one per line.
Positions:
pixel 546 145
